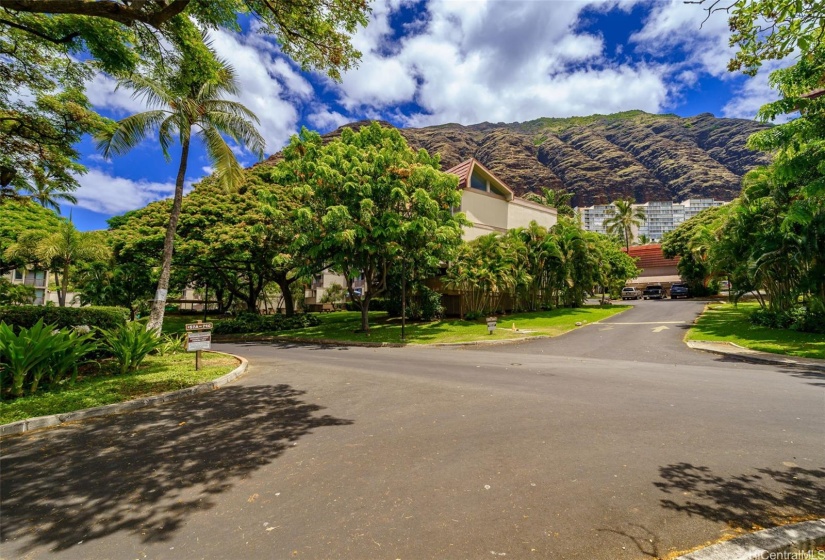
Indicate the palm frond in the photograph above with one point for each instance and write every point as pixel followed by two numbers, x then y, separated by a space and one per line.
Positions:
pixel 237 128
pixel 227 169
pixel 128 133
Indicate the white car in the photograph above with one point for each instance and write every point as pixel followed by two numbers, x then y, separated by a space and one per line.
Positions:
pixel 630 293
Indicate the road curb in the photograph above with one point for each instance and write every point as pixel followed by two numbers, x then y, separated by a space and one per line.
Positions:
pixel 29 424
pixel 770 543
pixel 743 354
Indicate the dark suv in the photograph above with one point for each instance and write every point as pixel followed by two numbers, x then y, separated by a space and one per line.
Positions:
pixel 654 291
pixel 679 290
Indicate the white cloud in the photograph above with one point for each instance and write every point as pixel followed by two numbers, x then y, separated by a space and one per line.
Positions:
pixel 754 93
pixel 472 61
pixel 108 194
pixel 325 120
pixel 104 93
pixel 676 25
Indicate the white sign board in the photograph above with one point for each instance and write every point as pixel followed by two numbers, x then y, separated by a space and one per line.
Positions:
pixel 199 341
pixel 198 326
pixel 491 324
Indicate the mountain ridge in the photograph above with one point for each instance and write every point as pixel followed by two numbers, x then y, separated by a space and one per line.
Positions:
pixel 601 158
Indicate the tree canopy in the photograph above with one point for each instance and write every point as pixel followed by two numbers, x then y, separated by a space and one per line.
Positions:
pixel 50 48
pixel 369 204
pixel 764 30
pixel 16 218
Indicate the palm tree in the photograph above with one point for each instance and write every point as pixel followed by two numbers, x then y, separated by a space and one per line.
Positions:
pixel 623 218
pixel 48 193
pixel 60 252
pixel 560 200
pixel 181 103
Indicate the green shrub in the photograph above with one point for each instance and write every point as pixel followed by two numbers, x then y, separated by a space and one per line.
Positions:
pixel 15 294
pixel 31 354
pixel 171 344
pixel 798 318
pixel 423 304
pixel 251 323
pixel 130 344
pixel 26 316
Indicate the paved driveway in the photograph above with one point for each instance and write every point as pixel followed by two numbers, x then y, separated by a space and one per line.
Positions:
pixel 614 441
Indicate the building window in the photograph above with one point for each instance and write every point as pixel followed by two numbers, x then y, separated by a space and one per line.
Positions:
pixel 478 183
pixel 18 274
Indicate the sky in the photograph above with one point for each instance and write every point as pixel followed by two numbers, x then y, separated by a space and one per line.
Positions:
pixel 428 62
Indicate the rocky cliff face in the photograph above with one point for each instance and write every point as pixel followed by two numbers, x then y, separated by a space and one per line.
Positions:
pixel 604 157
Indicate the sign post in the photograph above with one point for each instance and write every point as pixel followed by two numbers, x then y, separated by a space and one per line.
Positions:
pixel 198 338
pixel 491 324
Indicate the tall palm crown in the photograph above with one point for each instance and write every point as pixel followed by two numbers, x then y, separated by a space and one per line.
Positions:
pixel 184 99
pixel 49 194
pixel 560 200
pixel 624 217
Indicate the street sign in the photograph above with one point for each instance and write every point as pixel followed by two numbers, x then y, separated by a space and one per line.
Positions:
pixel 491 324
pixel 199 341
pixel 198 326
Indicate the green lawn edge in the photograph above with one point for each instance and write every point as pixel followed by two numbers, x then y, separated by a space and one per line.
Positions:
pixel 340 327
pixel 728 323
pixel 157 375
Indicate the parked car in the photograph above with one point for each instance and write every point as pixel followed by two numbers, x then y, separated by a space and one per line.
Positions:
pixel 653 291
pixel 630 293
pixel 679 290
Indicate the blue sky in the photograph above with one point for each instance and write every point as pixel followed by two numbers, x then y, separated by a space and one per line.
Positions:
pixel 429 62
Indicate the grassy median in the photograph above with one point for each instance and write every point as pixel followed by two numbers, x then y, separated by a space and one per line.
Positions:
pixel 157 374
pixel 729 323
pixel 343 326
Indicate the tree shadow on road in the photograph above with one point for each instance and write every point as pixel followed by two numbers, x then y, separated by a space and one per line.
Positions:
pixel 145 472
pixel 746 501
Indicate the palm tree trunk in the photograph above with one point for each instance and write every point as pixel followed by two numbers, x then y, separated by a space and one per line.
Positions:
pixel 159 304
pixel 64 286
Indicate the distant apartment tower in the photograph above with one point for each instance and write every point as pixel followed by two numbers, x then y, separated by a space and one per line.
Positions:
pixel 661 216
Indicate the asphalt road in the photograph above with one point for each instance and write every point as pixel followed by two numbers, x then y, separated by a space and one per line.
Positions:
pixel 613 441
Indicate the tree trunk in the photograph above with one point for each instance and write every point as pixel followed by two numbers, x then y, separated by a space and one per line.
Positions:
pixel 159 303
pixel 286 294
pixel 365 314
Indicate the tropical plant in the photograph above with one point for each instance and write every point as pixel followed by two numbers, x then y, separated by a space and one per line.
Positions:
pixel 48 192
pixel 171 344
pixel 623 218
pixel 31 354
pixel 59 252
pixel 560 200
pixel 183 101
pixel 77 346
pixel 15 294
pixel 130 344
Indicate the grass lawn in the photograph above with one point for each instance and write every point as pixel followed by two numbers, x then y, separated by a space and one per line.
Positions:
pixel 156 375
pixel 341 326
pixel 728 323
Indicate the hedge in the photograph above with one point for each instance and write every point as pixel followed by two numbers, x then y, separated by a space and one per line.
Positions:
pixel 250 323
pixel 26 316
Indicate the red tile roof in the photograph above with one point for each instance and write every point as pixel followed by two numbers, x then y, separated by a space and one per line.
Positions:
pixel 650 256
pixel 464 170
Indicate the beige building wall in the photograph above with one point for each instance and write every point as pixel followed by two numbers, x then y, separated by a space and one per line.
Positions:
pixel 521 212
pixel 484 209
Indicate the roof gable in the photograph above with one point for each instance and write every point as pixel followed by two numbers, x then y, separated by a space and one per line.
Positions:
pixel 465 170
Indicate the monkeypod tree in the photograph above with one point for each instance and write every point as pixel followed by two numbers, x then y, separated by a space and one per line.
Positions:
pixel 370 204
